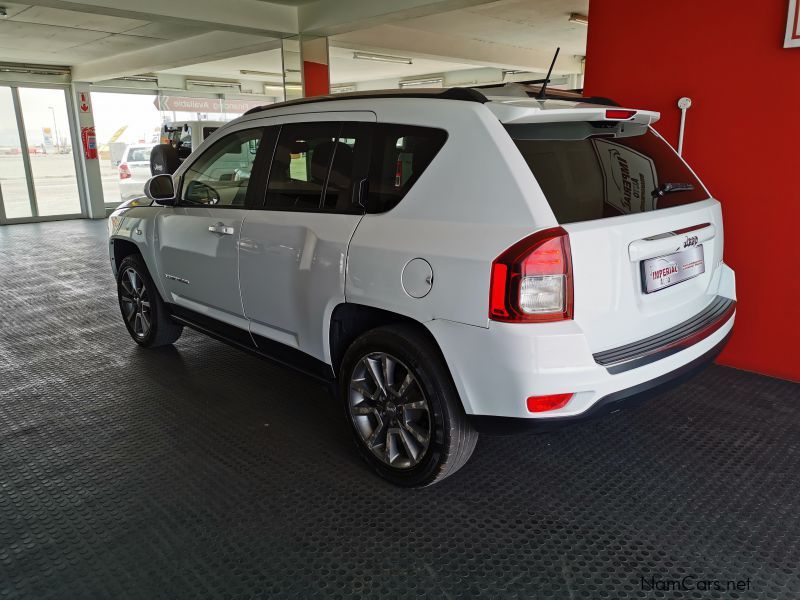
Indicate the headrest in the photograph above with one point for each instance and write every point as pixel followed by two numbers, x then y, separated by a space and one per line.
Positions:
pixel 321 159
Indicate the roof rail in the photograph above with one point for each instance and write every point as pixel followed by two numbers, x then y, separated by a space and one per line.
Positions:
pixel 455 93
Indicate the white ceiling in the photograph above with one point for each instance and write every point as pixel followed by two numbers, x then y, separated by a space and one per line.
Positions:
pixel 344 68
pixel 51 36
pixel 532 24
pixel 501 33
pixel 228 68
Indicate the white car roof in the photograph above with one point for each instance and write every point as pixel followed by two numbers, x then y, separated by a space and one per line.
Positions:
pixel 508 108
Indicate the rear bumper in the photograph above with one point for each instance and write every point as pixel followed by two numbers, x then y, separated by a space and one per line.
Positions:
pixel 496 369
pixel 627 398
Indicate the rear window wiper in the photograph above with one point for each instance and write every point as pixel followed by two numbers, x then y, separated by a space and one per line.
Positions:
pixel 669 188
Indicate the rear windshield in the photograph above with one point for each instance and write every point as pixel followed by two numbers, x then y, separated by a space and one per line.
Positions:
pixel 597 170
pixel 139 155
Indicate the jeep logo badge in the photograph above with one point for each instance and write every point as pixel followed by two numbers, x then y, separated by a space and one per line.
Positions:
pixel 691 240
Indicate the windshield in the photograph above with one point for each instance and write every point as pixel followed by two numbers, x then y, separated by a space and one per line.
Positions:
pixel 593 171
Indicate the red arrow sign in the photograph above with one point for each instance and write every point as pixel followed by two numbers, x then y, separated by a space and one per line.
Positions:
pixel 84 104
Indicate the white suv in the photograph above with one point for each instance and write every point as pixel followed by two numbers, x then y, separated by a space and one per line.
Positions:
pixel 456 263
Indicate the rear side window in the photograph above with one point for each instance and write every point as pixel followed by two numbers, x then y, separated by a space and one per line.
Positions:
pixel 593 171
pixel 315 166
pixel 400 154
pixel 300 165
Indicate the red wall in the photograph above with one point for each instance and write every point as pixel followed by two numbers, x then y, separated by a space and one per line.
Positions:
pixel 742 137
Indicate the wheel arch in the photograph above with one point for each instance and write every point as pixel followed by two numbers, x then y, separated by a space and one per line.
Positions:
pixel 350 320
pixel 121 248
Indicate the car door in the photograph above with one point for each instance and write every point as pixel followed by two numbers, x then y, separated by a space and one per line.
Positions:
pixel 293 250
pixel 198 239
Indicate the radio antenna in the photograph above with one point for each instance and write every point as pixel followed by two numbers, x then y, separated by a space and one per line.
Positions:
pixel 543 91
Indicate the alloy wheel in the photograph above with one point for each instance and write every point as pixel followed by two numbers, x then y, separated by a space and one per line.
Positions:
pixel 390 410
pixel 135 302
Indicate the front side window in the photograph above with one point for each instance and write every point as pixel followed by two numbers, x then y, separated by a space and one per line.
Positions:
pixel 400 155
pixel 220 176
pixel 595 170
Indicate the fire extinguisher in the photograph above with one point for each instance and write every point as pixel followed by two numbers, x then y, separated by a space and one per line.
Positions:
pixel 89 140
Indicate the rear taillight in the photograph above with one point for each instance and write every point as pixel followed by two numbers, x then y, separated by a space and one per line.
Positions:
pixel 124 171
pixel 532 281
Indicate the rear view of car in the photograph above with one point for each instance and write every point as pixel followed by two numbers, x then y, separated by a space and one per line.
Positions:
pixel 629 291
pixel 134 170
pixel 459 263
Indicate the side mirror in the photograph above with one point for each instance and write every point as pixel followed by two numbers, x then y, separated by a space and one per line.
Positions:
pixel 161 189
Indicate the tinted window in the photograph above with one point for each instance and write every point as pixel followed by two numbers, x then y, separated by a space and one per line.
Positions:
pixel 594 170
pixel 401 153
pixel 220 176
pixel 300 165
pixel 349 166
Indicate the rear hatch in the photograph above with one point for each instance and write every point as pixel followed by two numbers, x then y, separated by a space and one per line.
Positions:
pixel 646 237
pixel 139 162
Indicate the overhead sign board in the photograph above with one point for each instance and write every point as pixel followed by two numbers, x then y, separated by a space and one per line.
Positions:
pixel 204 105
pixel 792 39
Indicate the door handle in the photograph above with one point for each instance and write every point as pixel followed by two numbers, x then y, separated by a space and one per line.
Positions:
pixel 220 228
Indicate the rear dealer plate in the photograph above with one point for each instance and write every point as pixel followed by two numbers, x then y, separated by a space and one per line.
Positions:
pixel 664 271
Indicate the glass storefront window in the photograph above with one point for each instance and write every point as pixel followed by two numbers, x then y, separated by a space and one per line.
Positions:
pixel 47 129
pixel 128 124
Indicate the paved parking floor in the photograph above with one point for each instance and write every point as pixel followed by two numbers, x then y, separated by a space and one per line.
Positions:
pixel 202 472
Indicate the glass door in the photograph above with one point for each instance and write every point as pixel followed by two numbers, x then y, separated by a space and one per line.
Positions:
pixel 38 170
pixel 15 197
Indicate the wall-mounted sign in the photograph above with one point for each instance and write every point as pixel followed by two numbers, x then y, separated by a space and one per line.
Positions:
pixel 792 39
pixel 84 102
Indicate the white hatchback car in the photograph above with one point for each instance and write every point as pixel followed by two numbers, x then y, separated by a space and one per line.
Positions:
pixel 456 263
pixel 134 170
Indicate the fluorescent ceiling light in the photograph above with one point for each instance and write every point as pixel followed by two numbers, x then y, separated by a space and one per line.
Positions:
pixel 33 69
pixel 259 73
pixel 142 78
pixel 382 58
pixel 578 18
pixel 209 83
pixel 432 82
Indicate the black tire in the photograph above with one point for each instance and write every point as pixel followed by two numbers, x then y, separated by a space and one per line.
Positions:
pixel 451 437
pixel 164 160
pixel 161 329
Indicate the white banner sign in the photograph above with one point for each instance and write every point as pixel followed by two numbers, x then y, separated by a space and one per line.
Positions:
pixel 792 39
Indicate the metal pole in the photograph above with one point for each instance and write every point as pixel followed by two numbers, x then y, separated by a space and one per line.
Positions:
pixel 55 129
pixel 26 157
